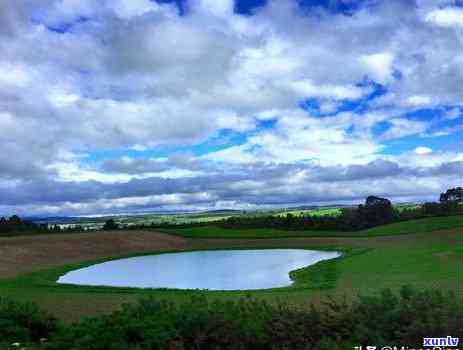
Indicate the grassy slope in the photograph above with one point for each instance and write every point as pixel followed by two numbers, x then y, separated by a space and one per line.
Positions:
pixel 406 227
pixel 426 259
pixel 421 225
pixel 313 212
pixel 218 232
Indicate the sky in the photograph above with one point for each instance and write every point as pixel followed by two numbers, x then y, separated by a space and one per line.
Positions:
pixel 120 106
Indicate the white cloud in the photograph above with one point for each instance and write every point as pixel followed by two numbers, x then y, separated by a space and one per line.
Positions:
pixel 422 150
pixel 219 8
pixel 300 137
pixel 229 120
pixel 308 89
pixel 453 113
pixel 401 127
pixel 133 8
pixel 13 74
pixel 65 11
pixel 7 121
pixel 419 101
pixel 138 148
pixel 234 154
pixel 379 66
pixel 62 99
pixel 446 17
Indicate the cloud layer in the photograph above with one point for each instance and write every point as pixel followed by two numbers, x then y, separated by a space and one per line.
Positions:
pixel 114 106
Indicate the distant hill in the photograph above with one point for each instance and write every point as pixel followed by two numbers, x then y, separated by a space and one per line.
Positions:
pixel 51 219
pixel 222 211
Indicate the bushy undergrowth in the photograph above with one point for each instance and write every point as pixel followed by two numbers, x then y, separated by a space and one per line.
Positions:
pixel 23 322
pixel 388 318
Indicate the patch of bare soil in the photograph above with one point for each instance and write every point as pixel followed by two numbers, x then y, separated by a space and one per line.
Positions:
pixel 31 253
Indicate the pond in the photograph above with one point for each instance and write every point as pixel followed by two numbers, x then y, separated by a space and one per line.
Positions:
pixel 213 270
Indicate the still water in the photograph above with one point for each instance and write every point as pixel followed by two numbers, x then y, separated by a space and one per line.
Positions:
pixel 213 270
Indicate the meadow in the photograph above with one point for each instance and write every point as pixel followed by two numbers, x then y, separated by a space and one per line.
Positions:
pixel 128 221
pixel 405 227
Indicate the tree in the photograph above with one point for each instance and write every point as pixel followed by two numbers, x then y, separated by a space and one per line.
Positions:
pixel 110 225
pixel 372 201
pixel 378 211
pixel 452 195
pixel 431 208
pixel 15 221
pixel 4 227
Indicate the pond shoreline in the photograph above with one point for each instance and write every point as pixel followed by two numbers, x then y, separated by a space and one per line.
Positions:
pixel 206 270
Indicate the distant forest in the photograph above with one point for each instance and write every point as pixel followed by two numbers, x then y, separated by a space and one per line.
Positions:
pixel 375 211
pixel 15 225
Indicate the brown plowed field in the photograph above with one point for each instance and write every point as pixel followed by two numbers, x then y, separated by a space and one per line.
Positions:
pixel 31 253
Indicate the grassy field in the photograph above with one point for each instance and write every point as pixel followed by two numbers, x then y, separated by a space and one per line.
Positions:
pixel 148 219
pixel 406 227
pixel 219 232
pixel 424 253
pixel 312 212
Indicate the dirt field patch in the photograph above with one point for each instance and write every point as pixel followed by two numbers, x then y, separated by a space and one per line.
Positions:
pixel 32 253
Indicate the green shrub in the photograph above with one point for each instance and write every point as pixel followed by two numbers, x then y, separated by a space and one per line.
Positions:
pixel 388 318
pixel 24 322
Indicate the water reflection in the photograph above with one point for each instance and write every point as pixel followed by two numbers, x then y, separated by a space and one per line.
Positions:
pixel 214 270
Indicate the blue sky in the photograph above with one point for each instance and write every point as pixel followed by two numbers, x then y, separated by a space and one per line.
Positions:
pixel 120 106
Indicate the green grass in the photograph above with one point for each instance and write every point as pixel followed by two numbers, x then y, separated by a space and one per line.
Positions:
pixel 148 219
pixel 420 225
pixel 335 210
pixel 405 227
pixel 219 232
pixel 312 212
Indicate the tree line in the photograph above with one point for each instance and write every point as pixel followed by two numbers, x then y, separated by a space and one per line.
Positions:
pixel 15 225
pixel 375 211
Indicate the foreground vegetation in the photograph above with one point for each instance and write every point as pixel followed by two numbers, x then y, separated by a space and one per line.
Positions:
pixel 401 319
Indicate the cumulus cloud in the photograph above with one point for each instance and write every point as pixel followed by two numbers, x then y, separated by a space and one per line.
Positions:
pixel 446 17
pixel 400 127
pixel 423 150
pixel 379 66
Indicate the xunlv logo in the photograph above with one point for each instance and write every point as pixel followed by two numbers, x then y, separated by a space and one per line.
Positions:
pixel 447 341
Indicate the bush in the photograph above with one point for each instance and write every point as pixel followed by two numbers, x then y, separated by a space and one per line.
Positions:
pixel 403 319
pixel 110 225
pixel 24 322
